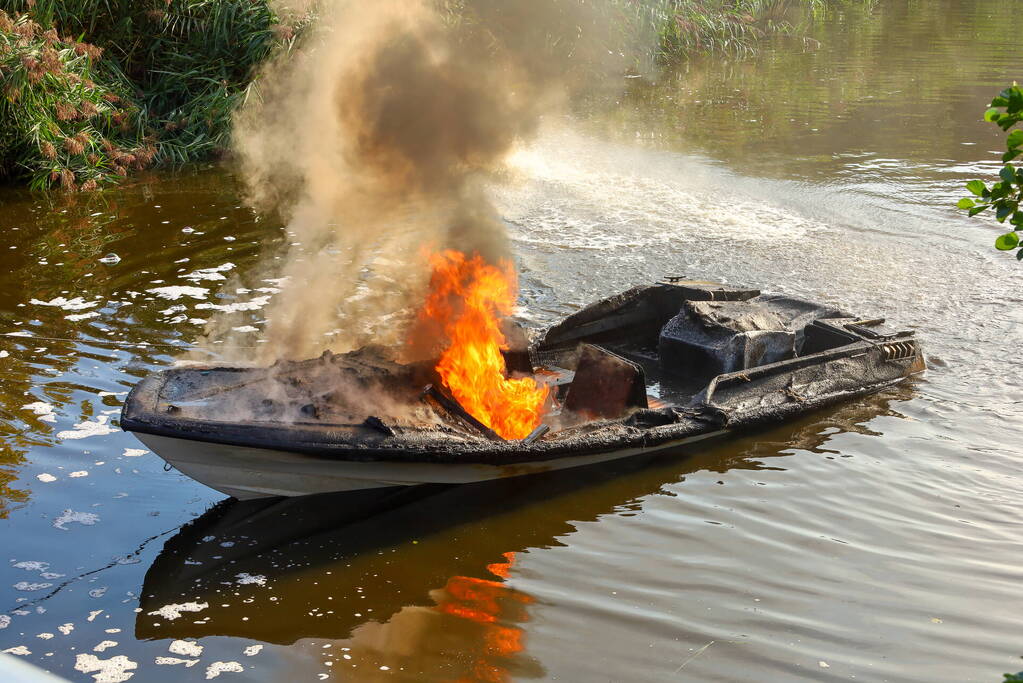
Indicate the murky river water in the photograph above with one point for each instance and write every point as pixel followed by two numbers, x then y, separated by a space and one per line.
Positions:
pixel 880 540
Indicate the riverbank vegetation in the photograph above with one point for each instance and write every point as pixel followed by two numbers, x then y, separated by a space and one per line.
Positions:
pixel 1006 195
pixel 92 90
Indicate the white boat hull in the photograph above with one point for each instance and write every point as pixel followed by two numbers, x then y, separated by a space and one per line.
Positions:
pixel 247 473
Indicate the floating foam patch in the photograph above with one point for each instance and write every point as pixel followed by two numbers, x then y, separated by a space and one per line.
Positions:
pixel 28 586
pixel 246 579
pixel 217 668
pixel 173 661
pixel 75 317
pixel 70 516
pixel 76 304
pixel 83 430
pixel 32 565
pixel 42 409
pixel 113 670
pixel 134 452
pixel 173 611
pixel 46 477
pixel 214 273
pixel 188 648
pixel 174 293
pixel 253 304
pixel 105 645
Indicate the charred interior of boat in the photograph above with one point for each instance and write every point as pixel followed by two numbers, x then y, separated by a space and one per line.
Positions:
pixel 656 351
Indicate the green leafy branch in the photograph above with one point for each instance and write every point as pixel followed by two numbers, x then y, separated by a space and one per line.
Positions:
pixel 1006 195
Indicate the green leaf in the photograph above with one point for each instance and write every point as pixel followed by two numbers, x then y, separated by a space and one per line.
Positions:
pixel 976 210
pixel 1015 99
pixel 1019 257
pixel 966 203
pixel 991 115
pixel 1003 210
pixel 1011 154
pixel 1008 173
pixel 977 187
pixel 1006 242
pixel 1015 139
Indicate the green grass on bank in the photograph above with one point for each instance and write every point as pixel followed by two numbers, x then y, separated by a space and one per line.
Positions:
pixel 93 89
pixel 733 27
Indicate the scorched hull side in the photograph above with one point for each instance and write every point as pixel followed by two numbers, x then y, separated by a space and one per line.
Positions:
pixel 247 473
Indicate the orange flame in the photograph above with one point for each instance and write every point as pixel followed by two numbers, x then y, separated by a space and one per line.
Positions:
pixel 468 298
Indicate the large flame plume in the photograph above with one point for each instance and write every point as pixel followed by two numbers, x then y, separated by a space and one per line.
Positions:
pixel 467 300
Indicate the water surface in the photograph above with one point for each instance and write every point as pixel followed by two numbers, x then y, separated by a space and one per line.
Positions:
pixel 879 540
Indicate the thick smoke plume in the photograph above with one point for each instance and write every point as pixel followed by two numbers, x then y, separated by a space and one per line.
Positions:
pixel 376 142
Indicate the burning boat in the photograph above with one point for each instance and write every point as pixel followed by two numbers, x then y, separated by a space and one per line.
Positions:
pixel 651 369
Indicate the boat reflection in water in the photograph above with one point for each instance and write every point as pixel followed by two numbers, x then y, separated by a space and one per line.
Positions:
pixel 415 578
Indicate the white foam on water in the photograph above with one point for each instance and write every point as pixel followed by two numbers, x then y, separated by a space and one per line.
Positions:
pixel 245 328
pixel 70 517
pixel 252 305
pixel 5 621
pixel 79 473
pixel 20 650
pixel 76 304
pixel 173 661
pixel 173 611
pixel 245 579
pixel 252 650
pixel 134 452
pixel 28 586
pixel 93 614
pixel 32 565
pixel 173 293
pixel 81 316
pixel 86 429
pixel 215 273
pixel 113 670
pixel 42 409
pixel 187 648
pixel 105 645
pixel 44 636
pixel 217 668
